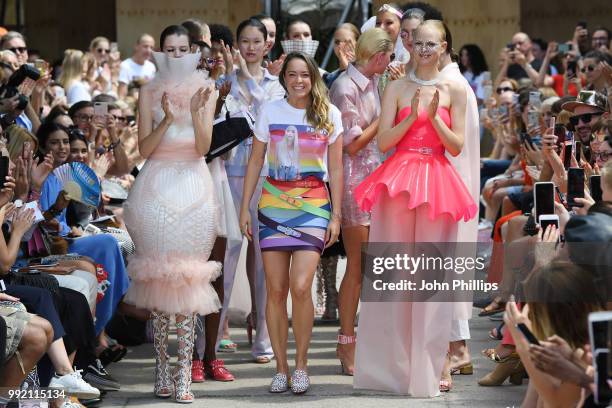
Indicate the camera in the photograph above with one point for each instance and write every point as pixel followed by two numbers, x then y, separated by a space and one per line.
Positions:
pixel 9 89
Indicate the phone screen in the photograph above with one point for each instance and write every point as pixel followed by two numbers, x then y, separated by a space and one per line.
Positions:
pixel 563 48
pixel 571 69
pixel 545 223
pixel 595 187
pixel 544 199
pixel 575 186
pixel 4 169
pixel 578 150
pixel 567 156
pixel 603 393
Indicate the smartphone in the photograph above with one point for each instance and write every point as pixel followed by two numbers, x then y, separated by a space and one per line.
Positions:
pixel 543 199
pixel 4 169
pixel 535 99
pixel 603 393
pixel 575 186
pixel 563 48
pixel 578 150
pixel 41 66
pixel 487 91
pixel 571 68
pixel 486 76
pixel 504 112
pixel 533 119
pixel 595 187
pixel 567 156
pixel 599 336
pixel 527 333
pixel 114 47
pixel 100 108
pixel 549 219
pixel 511 46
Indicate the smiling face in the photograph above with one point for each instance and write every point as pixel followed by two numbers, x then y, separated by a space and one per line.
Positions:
pixel 176 46
pixel 407 27
pixel 297 79
pixel 603 153
pixel 428 46
pixel 58 145
pixel 252 44
pixel 390 23
pixel 78 151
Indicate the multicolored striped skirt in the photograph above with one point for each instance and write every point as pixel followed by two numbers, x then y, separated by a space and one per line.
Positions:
pixel 293 215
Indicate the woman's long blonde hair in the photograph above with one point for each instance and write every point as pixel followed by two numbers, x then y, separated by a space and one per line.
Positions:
pixel 72 68
pixel 317 114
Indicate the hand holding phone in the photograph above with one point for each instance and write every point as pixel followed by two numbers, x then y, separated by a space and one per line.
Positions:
pixel 4 169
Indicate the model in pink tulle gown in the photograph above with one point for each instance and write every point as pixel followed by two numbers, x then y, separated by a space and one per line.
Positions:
pixel 415 195
pixel 172 214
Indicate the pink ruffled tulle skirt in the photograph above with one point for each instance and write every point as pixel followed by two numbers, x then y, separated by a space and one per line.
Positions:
pixel 174 284
pixel 172 216
pixel 427 178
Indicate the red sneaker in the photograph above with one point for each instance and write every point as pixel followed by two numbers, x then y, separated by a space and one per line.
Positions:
pixel 217 371
pixel 197 371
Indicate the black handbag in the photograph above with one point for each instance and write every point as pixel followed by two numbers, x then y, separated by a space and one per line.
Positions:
pixel 228 133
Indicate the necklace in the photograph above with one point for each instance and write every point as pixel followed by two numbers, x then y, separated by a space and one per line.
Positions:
pixel 413 78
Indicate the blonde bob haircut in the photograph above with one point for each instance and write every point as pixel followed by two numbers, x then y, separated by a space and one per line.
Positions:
pixel 370 43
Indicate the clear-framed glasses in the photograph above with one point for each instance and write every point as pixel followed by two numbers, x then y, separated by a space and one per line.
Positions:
pixel 428 46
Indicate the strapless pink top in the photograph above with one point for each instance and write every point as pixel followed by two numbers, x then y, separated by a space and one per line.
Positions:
pixel 418 167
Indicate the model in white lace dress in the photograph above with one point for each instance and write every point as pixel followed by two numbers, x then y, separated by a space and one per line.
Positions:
pixel 172 213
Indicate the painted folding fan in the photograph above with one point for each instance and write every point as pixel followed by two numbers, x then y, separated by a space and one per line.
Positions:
pixel 79 182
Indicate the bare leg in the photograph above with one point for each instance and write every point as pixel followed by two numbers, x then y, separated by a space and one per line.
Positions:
pixel 276 266
pixel 350 288
pixel 303 267
pixel 59 357
pixel 36 337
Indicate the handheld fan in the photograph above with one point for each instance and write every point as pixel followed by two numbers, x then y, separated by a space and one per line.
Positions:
pixel 79 182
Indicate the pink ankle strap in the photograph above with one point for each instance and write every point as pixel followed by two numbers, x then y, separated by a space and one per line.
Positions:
pixel 342 339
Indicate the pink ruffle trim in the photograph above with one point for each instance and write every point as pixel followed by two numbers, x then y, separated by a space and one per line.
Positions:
pixel 426 179
pixel 173 284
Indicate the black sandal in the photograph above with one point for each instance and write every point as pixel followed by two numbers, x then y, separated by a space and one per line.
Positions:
pixel 496 306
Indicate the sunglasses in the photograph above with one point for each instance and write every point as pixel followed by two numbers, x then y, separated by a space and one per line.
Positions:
pixel 19 50
pixel 590 68
pixel 103 51
pixel 392 57
pixel 120 118
pixel 585 118
pixel 504 89
pixel 602 156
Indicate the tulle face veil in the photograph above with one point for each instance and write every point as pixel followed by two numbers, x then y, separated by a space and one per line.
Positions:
pixel 171 68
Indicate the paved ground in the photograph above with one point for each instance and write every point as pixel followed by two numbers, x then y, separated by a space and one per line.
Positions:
pixel 329 389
